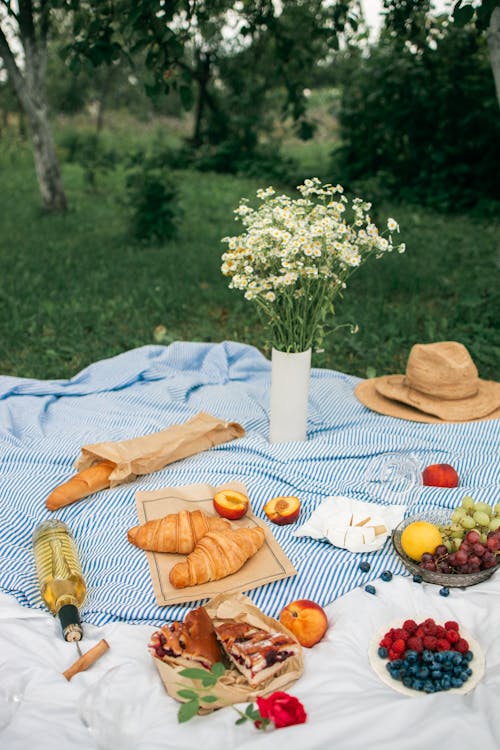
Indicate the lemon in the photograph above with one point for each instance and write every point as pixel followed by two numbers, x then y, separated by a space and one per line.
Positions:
pixel 420 537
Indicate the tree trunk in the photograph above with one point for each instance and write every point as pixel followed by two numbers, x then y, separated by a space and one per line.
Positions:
pixel 46 161
pixel 494 48
pixel 29 86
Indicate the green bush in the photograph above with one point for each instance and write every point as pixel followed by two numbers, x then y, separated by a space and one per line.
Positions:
pixel 88 150
pixel 424 122
pixel 153 201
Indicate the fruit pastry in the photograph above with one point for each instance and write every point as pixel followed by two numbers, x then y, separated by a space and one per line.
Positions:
pixel 190 642
pixel 258 654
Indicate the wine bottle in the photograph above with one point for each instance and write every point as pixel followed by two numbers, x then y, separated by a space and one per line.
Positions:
pixel 59 574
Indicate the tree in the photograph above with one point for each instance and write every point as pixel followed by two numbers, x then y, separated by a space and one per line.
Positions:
pixel 407 17
pixel 29 24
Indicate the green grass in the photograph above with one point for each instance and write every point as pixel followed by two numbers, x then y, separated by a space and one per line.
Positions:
pixel 76 288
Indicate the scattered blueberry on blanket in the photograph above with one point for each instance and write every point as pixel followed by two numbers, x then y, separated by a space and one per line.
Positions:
pixel 386 576
pixel 445 591
pixel 370 589
pixel 417 578
pixel 364 566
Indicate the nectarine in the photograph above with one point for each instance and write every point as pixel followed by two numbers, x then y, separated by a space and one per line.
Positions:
pixel 231 504
pixel 440 475
pixel 282 510
pixel 306 620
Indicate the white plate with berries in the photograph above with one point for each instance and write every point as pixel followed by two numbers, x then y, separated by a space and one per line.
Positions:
pixel 419 658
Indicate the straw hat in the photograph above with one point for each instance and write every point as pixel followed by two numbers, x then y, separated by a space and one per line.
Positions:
pixel 441 384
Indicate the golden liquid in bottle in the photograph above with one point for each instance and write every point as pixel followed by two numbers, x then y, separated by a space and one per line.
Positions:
pixel 58 567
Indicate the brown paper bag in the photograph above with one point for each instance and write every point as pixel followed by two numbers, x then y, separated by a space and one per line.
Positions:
pixel 232 686
pixel 149 453
pixel 268 564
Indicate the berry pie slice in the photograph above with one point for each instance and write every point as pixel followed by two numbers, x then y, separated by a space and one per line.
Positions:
pixel 258 654
pixel 190 641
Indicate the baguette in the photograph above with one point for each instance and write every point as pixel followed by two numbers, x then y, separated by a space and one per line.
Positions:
pixel 217 555
pixel 176 532
pixel 81 485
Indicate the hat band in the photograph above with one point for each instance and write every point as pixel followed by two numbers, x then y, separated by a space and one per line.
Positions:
pixel 443 391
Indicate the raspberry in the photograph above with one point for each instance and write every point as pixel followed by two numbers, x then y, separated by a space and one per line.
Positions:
pixel 399 646
pixel 443 644
pixel 429 628
pixel 451 625
pixel 441 632
pixel 453 636
pixel 386 642
pixel 429 621
pixel 410 626
pixel 461 646
pixel 399 633
pixel 393 655
pixel 415 644
pixel 430 642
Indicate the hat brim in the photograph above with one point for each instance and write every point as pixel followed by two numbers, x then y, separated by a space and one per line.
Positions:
pixel 398 404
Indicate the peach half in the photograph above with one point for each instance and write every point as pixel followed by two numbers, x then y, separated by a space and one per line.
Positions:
pixel 231 504
pixel 282 510
pixel 306 620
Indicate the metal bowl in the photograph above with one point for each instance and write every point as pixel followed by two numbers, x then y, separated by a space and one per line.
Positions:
pixel 456 580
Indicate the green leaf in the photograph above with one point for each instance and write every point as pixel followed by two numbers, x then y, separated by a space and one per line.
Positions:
pixel 241 720
pixel 218 669
pixel 189 694
pixel 187 711
pixel 192 673
pixel 209 698
pixel 462 15
pixel 209 681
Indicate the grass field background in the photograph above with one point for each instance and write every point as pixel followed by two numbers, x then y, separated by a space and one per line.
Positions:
pixel 77 288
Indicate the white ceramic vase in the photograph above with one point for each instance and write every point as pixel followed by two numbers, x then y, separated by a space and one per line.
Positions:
pixel 290 375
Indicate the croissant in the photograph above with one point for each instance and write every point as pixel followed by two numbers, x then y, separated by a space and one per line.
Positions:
pixel 84 483
pixel 216 556
pixel 177 532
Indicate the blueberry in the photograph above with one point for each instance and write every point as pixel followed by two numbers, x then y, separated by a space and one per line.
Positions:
pixel 364 566
pixel 445 683
pixel 464 675
pixel 417 578
pixel 457 659
pixel 417 684
pixel 407 681
pixel 382 652
pixel 411 656
pixel 370 589
pixel 386 576
pixel 423 673
pixel 429 687
pixel 436 674
pixel 427 656
pixel 445 591
pixel 457 682
pixel 469 655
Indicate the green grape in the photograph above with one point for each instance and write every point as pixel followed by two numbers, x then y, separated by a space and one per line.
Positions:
pixel 496 509
pixel 481 518
pixel 456 544
pixel 468 502
pixel 494 524
pixel 448 544
pixel 458 514
pixel 484 538
pixel 484 508
pixel 468 522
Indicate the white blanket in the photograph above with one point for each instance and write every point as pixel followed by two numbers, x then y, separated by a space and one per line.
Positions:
pixel 348 707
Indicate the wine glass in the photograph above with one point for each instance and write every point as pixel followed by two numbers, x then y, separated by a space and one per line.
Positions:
pixel 12 686
pixel 118 708
pixel 389 474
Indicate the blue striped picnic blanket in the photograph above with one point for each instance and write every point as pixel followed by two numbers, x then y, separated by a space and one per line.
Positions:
pixel 43 424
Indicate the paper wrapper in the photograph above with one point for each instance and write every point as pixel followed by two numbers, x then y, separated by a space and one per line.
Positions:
pixel 149 453
pixel 268 564
pixel 232 686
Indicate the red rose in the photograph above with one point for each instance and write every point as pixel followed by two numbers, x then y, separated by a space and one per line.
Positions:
pixel 282 709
